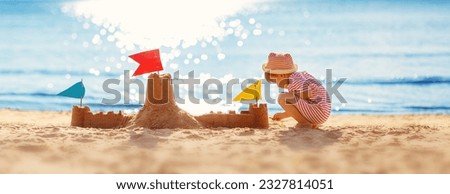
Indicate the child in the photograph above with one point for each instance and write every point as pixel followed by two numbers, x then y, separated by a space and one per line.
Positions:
pixel 306 101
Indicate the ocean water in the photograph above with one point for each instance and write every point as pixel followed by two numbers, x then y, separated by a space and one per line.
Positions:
pixel 394 55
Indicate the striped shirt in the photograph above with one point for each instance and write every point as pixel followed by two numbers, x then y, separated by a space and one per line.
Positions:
pixel 318 108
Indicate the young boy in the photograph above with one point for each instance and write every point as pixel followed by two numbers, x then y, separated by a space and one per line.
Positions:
pixel 306 101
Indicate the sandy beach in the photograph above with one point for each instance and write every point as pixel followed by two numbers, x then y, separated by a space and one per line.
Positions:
pixel 44 142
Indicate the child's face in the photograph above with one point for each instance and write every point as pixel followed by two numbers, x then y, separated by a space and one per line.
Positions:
pixel 282 80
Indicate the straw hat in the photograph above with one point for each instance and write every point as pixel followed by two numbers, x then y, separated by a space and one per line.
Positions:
pixel 279 63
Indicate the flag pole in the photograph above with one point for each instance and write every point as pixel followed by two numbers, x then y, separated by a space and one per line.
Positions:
pixel 81 98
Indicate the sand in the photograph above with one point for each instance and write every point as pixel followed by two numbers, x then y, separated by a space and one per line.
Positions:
pixel 43 142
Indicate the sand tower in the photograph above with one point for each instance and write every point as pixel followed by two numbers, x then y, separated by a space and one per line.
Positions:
pixel 160 110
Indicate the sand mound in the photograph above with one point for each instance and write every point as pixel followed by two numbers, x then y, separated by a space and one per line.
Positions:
pixel 160 110
pixel 170 117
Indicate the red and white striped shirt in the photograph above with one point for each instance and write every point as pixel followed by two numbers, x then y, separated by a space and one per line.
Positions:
pixel 318 108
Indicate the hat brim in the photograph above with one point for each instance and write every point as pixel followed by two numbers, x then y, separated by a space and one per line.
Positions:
pixel 279 71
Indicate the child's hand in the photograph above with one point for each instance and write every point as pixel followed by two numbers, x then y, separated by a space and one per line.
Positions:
pixel 279 116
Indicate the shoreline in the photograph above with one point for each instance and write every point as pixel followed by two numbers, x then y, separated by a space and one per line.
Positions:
pixel 271 112
pixel 44 142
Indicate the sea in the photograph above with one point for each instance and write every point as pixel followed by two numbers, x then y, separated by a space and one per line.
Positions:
pixel 382 57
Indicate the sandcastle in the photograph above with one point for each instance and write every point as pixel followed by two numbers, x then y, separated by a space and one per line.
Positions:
pixel 160 111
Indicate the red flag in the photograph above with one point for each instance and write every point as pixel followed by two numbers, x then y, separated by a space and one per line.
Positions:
pixel 149 61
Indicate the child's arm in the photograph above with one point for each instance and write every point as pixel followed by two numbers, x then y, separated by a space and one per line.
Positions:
pixel 300 84
pixel 299 95
pixel 304 95
pixel 279 116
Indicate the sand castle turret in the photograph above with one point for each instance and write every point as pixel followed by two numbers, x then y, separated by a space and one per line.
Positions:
pixel 160 109
pixel 260 115
pixel 78 115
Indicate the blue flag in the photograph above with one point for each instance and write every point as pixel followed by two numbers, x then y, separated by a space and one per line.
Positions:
pixel 75 91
